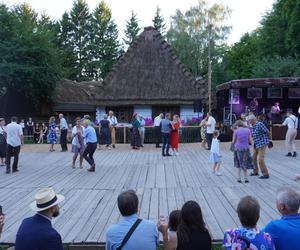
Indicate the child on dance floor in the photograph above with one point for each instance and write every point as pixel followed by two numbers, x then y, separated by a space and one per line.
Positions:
pixel 215 155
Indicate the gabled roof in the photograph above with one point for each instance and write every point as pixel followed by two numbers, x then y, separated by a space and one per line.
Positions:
pixel 148 73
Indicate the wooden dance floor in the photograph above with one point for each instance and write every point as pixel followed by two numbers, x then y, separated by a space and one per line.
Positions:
pixel 162 184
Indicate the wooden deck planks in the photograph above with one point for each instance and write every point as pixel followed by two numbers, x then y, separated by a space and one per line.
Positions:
pixel 162 185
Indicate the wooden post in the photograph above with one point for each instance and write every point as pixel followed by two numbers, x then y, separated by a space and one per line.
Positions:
pixel 124 131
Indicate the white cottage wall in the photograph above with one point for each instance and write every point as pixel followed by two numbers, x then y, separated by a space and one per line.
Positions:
pixel 187 112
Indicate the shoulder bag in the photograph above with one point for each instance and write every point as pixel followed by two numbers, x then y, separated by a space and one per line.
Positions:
pixel 130 232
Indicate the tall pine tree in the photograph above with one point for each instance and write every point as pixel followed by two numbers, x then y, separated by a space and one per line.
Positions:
pixel 159 22
pixel 65 43
pixel 104 38
pixel 132 29
pixel 80 19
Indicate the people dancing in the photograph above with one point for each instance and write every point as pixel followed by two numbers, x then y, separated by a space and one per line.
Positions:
pixel 135 134
pixel 174 134
pixel 52 137
pixel 77 143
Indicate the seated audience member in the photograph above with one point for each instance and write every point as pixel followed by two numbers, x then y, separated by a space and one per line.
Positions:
pixel 2 218
pixel 248 236
pixel 144 233
pixel 36 232
pixel 169 231
pixel 285 232
pixel 192 233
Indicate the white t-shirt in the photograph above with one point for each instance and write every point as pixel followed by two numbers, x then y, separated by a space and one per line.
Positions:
pixel 14 132
pixel 112 120
pixel 215 146
pixel 75 141
pixel 212 122
pixel 157 121
pixel 291 122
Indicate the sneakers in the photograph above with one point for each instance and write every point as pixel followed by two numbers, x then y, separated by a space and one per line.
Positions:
pixel 218 173
pixel 289 154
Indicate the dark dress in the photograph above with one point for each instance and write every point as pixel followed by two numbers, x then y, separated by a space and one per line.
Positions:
pixel 135 134
pixel 105 136
pixel 36 134
pixel 2 143
pixel 198 240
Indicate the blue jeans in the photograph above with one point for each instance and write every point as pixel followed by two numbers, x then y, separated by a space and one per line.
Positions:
pixel 166 143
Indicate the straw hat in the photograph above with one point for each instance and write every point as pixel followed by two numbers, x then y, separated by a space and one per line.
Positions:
pixel 46 198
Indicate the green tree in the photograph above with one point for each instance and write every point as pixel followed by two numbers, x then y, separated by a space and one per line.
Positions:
pixel 29 62
pixel 68 55
pixel 159 22
pixel 189 35
pixel 80 19
pixel 238 62
pixel 132 29
pixel 104 39
pixel 276 67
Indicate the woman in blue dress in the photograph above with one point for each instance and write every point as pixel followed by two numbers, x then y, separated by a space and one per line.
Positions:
pixel 52 138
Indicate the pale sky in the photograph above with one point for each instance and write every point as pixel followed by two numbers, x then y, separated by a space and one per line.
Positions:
pixel 245 17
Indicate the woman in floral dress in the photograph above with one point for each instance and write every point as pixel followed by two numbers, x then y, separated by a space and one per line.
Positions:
pixel 248 236
pixel 52 138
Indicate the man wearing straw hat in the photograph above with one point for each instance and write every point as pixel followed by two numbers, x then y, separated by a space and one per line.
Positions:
pixel 36 232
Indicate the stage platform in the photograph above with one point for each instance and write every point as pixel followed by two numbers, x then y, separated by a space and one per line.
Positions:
pixel 162 184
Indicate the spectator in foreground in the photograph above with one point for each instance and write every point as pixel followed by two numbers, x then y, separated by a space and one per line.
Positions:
pixel 247 236
pixel 2 219
pixel 285 232
pixel 144 234
pixel 36 232
pixel 192 233
pixel 169 231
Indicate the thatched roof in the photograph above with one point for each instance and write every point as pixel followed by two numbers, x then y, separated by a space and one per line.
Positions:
pixel 148 73
pixel 261 83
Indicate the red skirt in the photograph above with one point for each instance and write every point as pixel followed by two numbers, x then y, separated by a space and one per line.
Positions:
pixel 174 139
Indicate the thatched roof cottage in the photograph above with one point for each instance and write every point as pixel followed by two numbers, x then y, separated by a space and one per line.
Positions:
pixel 147 79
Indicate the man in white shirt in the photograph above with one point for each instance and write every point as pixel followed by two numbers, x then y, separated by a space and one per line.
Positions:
pixel 113 122
pixel 291 122
pixel 210 128
pixel 157 129
pixel 63 132
pixel 14 141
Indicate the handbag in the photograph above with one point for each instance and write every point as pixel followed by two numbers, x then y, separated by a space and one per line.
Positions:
pixel 129 233
pixel 270 144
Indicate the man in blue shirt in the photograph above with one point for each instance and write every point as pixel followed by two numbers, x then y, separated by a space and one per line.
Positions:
pixel 90 137
pixel 285 232
pixel 63 132
pixel 260 135
pixel 165 130
pixel 144 237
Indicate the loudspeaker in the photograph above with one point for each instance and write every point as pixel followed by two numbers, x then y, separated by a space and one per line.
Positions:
pixel 197 106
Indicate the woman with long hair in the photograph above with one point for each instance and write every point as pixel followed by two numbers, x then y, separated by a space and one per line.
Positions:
pixel 192 233
pixel 174 134
pixel 52 138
